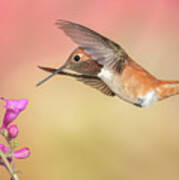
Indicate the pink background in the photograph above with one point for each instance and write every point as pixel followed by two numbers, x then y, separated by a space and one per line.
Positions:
pixel 75 132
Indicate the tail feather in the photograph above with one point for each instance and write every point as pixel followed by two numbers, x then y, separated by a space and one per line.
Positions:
pixel 167 89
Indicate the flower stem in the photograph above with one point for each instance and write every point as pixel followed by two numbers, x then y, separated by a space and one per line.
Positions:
pixel 13 174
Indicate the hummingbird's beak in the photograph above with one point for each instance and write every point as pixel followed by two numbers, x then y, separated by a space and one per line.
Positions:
pixel 57 71
pixel 52 70
pixel 51 75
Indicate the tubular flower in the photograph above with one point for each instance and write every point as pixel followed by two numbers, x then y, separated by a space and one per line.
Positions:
pixel 19 154
pixel 22 153
pixel 13 108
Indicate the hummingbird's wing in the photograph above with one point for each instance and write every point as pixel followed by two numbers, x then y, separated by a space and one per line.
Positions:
pixel 97 84
pixel 101 49
pixel 94 82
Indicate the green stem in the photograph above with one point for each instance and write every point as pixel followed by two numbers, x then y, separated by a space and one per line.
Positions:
pixel 8 166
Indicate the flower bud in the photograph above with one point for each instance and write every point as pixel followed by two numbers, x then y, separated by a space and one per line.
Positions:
pixel 22 153
pixel 12 131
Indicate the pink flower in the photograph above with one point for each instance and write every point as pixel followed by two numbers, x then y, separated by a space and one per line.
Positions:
pixel 19 154
pixel 13 108
pixel 12 131
pixel 3 148
pixel 22 153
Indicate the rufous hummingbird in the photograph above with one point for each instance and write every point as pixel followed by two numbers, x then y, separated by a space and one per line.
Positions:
pixel 104 65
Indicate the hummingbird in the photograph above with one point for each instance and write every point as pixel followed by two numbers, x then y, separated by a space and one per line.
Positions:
pixel 104 65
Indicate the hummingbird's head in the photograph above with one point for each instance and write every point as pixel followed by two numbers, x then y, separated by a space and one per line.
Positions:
pixel 79 62
pixel 82 63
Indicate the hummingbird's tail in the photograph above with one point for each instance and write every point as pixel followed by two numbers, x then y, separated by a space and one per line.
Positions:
pixel 167 89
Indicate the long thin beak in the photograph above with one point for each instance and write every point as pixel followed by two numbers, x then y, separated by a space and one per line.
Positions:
pixel 51 75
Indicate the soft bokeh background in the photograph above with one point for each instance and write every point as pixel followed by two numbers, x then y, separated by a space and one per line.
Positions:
pixel 75 132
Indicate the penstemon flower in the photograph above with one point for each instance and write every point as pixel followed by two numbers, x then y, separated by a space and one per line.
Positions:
pixel 10 132
pixel 19 154
pixel 13 108
pixel 22 153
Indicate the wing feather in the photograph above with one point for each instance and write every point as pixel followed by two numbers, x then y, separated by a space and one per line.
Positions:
pixel 97 84
pixel 100 48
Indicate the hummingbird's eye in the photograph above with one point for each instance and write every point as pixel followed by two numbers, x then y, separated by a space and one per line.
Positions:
pixel 77 58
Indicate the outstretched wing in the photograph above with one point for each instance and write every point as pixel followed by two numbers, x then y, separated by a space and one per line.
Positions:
pixel 101 49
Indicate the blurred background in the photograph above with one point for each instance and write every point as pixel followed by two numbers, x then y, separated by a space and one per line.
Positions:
pixel 73 131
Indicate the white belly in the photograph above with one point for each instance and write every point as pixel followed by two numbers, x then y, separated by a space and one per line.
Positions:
pixel 148 98
pixel 106 75
pixel 109 78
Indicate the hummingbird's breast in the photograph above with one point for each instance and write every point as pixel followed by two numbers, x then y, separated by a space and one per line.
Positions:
pixel 133 84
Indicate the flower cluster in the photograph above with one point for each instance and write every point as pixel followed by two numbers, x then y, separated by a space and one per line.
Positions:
pixel 10 131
